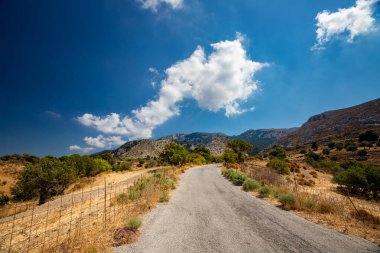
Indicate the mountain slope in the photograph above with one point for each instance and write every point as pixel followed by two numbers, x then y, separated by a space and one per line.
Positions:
pixel 337 124
pixel 264 138
pixel 216 142
pixel 141 148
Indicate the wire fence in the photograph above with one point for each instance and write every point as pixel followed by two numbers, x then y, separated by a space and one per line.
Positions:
pixel 28 228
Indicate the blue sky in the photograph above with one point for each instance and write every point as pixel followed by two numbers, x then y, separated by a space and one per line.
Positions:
pixel 65 66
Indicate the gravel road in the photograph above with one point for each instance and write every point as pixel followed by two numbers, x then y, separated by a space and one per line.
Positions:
pixel 208 214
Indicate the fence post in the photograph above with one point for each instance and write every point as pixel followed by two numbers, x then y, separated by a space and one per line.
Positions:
pixel 105 203
pixel 59 221
pixel 13 226
pixel 97 210
pixel 47 218
pixel 71 214
pixel 30 230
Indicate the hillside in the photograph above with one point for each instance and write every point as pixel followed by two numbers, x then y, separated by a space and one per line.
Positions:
pixel 264 138
pixel 337 124
pixel 141 148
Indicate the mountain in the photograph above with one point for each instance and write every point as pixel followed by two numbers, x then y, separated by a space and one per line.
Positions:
pixel 264 138
pixel 140 149
pixel 336 125
pixel 216 142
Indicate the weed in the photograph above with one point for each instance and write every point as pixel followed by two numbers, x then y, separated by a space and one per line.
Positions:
pixel 250 184
pixel 164 197
pixel 122 198
pixel 134 223
pixel 264 191
pixel 287 200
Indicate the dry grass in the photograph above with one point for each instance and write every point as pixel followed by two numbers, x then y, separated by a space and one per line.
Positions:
pixel 320 202
pixel 84 226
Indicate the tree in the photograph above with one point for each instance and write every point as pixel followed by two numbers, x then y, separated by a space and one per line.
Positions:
pixel 314 146
pixel 339 146
pixel 326 151
pixel 47 178
pixel 331 145
pixel 369 136
pixel 174 154
pixel 241 148
pixel 229 156
pixel 205 152
pixel 278 151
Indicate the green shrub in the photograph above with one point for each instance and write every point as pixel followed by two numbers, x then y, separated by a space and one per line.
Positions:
pixel 331 145
pixel 339 146
pixel 122 198
pixel 196 159
pixel 122 166
pixel 309 203
pixel 278 152
pixel 174 154
pixel 230 156
pixel 134 224
pixel 241 148
pixel 134 194
pixel 164 197
pixel 264 191
pixel 362 152
pixel 236 177
pixel 4 199
pixel 280 166
pixel 314 146
pixel 369 136
pixel 326 151
pixel 288 200
pixel 250 184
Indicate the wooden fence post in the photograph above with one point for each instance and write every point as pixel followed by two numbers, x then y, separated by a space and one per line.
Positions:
pixel 13 226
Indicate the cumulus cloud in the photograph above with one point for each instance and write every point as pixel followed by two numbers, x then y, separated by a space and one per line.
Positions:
pixel 222 80
pixel 354 21
pixel 154 4
pixel 104 142
pixel 80 149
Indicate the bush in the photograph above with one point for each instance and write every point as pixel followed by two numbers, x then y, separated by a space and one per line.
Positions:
pixel 350 145
pixel 314 146
pixel 122 198
pixel 134 224
pixel 331 145
pixel 360 178
pixel 339 146
pixel 362 152
pixel 205 153
pixel 326 151
pixel 164 197
pixel 4 199
pixel 230 156
pixel 236 177
pixel 241 148
pixel 287 200
pixel 280 166
pixel 278 152
pixel 264 191
pixel 174 154
pixel 309 203
pixel 250 184
pixel 303 151
pixel 122 166
pixel 369 136
pixel 134 194
pixel 196 159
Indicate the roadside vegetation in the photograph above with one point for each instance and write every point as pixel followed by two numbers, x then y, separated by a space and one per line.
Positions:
pixel 291 180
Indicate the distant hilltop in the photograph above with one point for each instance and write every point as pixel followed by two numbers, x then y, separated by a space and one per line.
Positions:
pixel 331 125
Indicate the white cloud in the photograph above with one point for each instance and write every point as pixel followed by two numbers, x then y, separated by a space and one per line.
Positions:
pixel 220 81
pixel 80 149
pixel 104 142
pixel 153 70
pixel 154 4
pixel 355 20
pixel 53 114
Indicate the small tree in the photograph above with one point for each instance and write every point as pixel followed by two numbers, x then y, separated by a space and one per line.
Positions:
pixel 241 148
pixel 174 154
pixel 339 146
pixel 314 146
pixel 278 152
pixel 205 152
pixel 331 145
pixel 369 136
pixel 229 156
pixel 326 151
